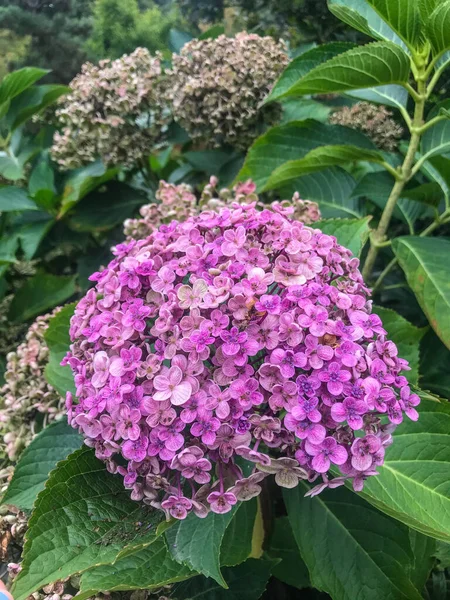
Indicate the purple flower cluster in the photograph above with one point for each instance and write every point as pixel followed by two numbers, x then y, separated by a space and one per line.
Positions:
pixel 237 333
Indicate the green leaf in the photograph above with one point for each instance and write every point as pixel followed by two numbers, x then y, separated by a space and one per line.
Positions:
pixel 299 109
pixel 31 102
pixel 303 64
pixel 291 569
pixel 406 337
pixel 426 266
pixel 378 63
pixel 292 141
pixel 331 189
pixel 245 582
pixel 58 342
pixel 151 567
pixel 177 39
pixel 16 82
pixel 39 293
pixel 423 548
pixel 360 15
pixel 104 209
pixel 8 248
pixel 32 233
pixel 42 177
pixel 351 549
pixel 196 542
pixel 402 16
pixel 351 233
pixel 51 445
pixel 85 504
pixel 437 27
pixel 212 33
pixel 81 182
pixel 390 95
pixel 436 140
pixel 237 542
pixel 414 483
pixel 317 160
pixel 207 161
pixel 434 374
pixel 15 198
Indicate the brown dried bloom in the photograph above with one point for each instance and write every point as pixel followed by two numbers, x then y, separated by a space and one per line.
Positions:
pixel 27 402
pixel 178 202
pixel 375 121
pixel 116 112
pixel 217 86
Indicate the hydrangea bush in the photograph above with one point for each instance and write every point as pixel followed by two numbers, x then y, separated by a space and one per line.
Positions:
pixel 238 333
pixel 216 87
pixel 116 111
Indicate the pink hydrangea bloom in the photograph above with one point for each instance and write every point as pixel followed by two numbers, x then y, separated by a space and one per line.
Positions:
pixel 239 337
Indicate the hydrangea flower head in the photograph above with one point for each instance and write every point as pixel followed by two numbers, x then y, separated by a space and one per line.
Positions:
pixel 217 86
pixel 236 333
pixel 115 111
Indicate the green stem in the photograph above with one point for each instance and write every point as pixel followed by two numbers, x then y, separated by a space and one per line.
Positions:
pixel 379 235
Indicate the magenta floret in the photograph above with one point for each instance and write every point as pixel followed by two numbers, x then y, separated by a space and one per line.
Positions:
pixel 238 333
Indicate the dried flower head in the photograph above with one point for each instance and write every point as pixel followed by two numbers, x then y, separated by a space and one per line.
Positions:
pixel 116 111
pixel 373 120
pixel 27 402
pixel 217 86
pixel 179 202
pixel 234 333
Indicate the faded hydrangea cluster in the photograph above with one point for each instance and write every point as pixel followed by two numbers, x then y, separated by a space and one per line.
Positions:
pixel 116 111
pixel 179 202
pixel 27 402
pixel 238 333
pixel 217 86
pixel 373 120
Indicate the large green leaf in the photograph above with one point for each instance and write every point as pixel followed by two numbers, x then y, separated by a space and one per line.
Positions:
pixel 436 140
pixel 292 141
pixel 103 209
pixel 299 109
pixel 351 233
pixel 32 101
pixel 427 269
pixel 434 374
pixel 237 543
pixel 378 63
pixel 33 230
pixel 39 293
pixel 414 483
pixel 390 95
pixel 291 569
pixel 245 582
pixel 407 338
pixel 16 82
pixel 151 567
pixel 351 549
pixel 196 542
pixel 83 518
pixel 331 189
pixel 58 342
pixel 15 198
pixel 81 182
pixel 402 16
pixel 438 28
pixel 50 446
pixel 423 548
pixel 304 63
pixel 360 15
pixel 318 159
